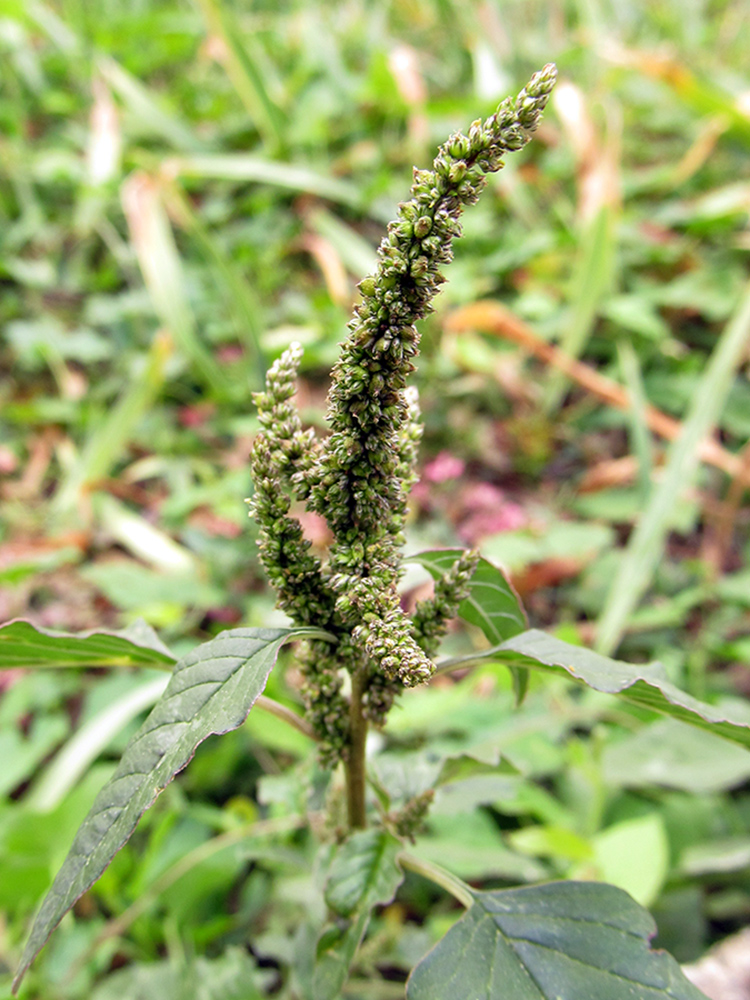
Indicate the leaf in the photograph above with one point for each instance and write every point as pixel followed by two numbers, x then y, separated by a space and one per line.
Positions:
pixel 335 953
pixel 164 275
pixel 231 976
pixel 560 941
pixel 25 645
pixel 246 73
pixel 145 108
pixel 211 691
pixel 364 874
pixel 23 753
pixel 471 845
pixel 109 436
pixel 592 278
pixel 492 604
pixel 634 855
pixel 643 685
pixel 671 755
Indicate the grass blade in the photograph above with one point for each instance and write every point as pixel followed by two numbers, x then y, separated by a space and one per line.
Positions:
pixel 246 76
pixel 590 283
pixel 241 302
pixel 640 436
pixel 145 110
pixel 161 266
pixel 246 167
pixel 646 544
pixel 108 439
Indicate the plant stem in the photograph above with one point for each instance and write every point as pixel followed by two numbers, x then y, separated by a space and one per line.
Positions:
pixel 355 766
pixel 282 712
pixel 440 876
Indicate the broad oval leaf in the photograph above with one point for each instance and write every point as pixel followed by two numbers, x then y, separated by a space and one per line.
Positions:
pixel 492 604
pixel 644 685
pixel 560 941
pixel 25 645
pixel 211 691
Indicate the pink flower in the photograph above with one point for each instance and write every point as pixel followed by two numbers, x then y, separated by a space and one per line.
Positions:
pixel 489 513
pixel 444 467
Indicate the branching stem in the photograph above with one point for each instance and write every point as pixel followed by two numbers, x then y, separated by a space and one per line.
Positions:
pixel 282 712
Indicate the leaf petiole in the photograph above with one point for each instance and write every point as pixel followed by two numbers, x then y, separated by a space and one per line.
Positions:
pixel 440 876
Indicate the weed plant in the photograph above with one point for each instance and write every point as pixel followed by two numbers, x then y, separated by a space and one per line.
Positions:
pixel 359 653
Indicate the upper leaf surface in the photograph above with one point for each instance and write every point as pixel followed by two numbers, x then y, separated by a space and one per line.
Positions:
pixel 643 685
pixel 211 691
pixel 560 941
pixel 25 645
pixel 492 604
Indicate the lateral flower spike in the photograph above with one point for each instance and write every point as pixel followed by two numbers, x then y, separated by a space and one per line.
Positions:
pixel 431 617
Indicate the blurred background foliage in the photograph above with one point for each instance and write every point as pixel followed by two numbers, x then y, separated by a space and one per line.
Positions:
pixel 187 187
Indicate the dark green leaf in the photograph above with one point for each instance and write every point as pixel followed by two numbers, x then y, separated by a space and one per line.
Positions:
pixel 335 954
pixel 643 685
pixel 25 645
pixel 211 691
pixel 560 941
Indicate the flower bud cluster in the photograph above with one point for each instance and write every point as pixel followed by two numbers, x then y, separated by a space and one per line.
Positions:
pixel 385 632
pixel 279 451
pixel 409 821
pixel 293 449
pixel 327 710
pixel 431 617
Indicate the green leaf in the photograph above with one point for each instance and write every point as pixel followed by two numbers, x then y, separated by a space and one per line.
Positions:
pixel 634 855
pixel 591 280
pixel 643 685
pixel 560 941
pixel 335 953
pixel 492 604
pixel 232 976
pixel 81 750
pixel 25 645
pixel 211 691
pixel 671 755
pixel 242 167
pixel 364 874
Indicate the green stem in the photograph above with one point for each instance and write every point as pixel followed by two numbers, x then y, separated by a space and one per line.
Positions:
pixel 440 876
pixel 355 766
pixel 282 712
